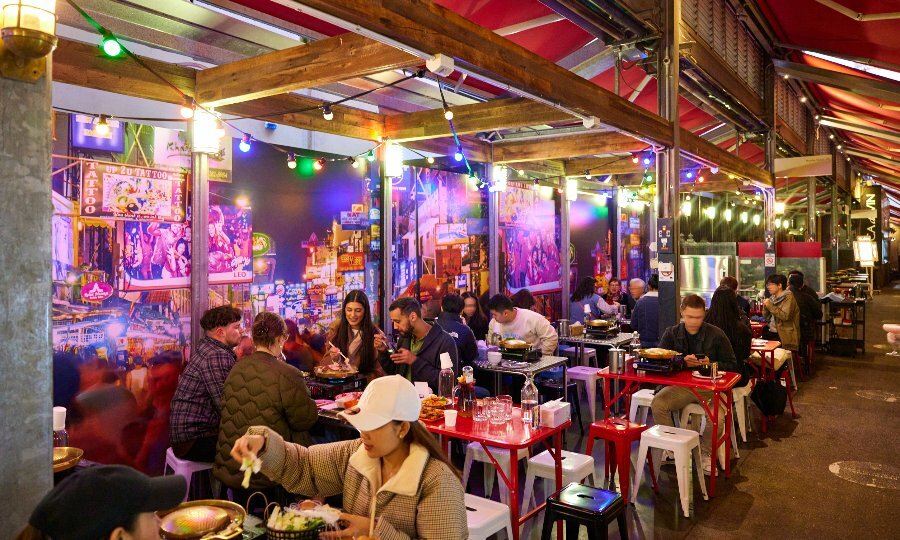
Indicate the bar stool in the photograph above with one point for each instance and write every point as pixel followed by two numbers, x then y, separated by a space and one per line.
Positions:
pixel 684 443
pixel 588 357
pixel 579 505
pixel 618 436
pixel 740 396
pixel 686 415
pixel 475 452
pixel 575 468
pixel 588 376
pixel 640 405
pixel 186 469
pixel 485 517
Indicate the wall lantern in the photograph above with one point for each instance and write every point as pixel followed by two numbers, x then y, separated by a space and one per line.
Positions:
pixel 28 29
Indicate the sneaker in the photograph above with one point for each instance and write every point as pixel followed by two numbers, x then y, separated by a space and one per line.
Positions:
pixel 668 458
pixel 706 462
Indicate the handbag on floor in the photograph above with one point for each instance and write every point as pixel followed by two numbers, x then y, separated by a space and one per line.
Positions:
pixel 770 397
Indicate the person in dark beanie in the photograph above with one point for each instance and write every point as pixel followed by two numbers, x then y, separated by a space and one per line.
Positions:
pixel 105 502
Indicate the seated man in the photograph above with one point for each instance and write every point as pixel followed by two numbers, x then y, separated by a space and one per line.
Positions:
pixel 645 316
pixel 450 320
pixel 107 501
pixel 693 337
pixel 517 323
pixel 419 347
pixel 197 404
pixel 636 289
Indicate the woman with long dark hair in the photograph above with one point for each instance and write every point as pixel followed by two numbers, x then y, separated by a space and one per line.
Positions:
pixel 584 295
pixel 474 315
pixel 353 334
pixel 725 314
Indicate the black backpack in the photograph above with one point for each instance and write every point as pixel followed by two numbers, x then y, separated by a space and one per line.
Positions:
pixel 770 397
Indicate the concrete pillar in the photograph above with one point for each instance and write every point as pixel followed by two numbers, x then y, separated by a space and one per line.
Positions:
pixel 199 243
pixel 25 261
pixel 667 163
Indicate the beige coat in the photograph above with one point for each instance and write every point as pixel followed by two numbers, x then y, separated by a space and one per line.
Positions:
pixel 423 500
pixel 786 312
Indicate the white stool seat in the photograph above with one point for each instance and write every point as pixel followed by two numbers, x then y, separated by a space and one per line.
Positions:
pixel 640 405
pixel 695 409
pixel 575 468
pixel 740 396
pixel 475 452
pixel 588 356
pixel 685 444
pixel 588 377
pixel 485 517
pixel 185 468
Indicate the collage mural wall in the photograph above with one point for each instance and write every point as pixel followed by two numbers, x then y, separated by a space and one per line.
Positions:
pixel 289 241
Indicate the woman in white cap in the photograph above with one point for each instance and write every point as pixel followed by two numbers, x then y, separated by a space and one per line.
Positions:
pixel 394 474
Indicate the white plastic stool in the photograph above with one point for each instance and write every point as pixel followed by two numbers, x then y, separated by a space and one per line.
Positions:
pixel 640 405
pixel 485 517
pixel 575 468
pixel 684 443
pixel 475 452
pixel 588 377
pixel 185 468
pixel 695 409
pixel 588 357
pixel 741 399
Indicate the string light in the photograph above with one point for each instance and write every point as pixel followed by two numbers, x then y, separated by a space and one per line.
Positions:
pixel 430 160
pixel 587 175
pixel 187 109
pixel 353 162
pixel 319 164
pixel 727 214
pixel 110 45
pixel 635 159
pixel 448 114
pixel 646 161
pixel 745 217
pixel 242 201
pixel 521 172
pixel 244 145
pixel 458 156
pixel 701 179
pixel 371 156
pixel 756 219
pixel 292 160
pixel 102 127
pixel 689 175
pixel 327 113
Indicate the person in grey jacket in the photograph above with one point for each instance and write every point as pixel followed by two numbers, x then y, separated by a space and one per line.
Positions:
pixel 419 346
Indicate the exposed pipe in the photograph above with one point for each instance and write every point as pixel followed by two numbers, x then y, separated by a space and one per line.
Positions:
pixel 856 16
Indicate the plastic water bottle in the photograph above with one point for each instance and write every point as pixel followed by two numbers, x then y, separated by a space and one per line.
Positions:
pixel 446 379
pixel 60 435
pixel 529 401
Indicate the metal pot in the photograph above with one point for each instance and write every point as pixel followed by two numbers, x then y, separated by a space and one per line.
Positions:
pixel 563 328
pixel 617 360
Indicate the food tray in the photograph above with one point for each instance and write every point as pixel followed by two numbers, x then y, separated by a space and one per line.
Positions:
pixel 657 353
pixel 66 457
pixel 230 529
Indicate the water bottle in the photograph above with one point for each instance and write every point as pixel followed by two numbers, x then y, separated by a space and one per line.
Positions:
pixel 60 435
pixel 587 314
pixel 446 379
pixel 529 401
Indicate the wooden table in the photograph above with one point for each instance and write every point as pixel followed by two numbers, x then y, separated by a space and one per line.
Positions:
pixel 513 437
pixel 685 379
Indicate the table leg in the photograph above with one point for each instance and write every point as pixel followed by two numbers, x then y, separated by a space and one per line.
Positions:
pixel 513 488
pixel 714 457
pixel 557 441
pixel 729 421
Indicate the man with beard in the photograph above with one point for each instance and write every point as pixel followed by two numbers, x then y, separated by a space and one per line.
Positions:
pixel 419 347
pixel 196 407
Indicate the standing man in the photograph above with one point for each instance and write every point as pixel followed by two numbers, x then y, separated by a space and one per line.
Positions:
pixel 451 321
pixel 419 348
pixel 518 323
pixel 645 316
pixel 197 403
pixel 692 337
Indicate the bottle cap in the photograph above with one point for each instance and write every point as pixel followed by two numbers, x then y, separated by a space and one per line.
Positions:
pixel 59 418
pixel 446 361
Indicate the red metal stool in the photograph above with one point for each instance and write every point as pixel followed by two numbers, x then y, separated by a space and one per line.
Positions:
pixel 618 435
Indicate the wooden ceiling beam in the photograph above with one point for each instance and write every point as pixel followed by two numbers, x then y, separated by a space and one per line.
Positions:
pixel 602 166
pixel 568 146
pixel 698 148
pixel 478 117
pixel 323 62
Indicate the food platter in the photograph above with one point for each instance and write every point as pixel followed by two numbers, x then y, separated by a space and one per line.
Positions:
pixel 66 457
pixel 431 415
pixel 335 371
pixel 435 402
pixel 658 353
pixel 207 519
pixel 600 323
pixel 514 345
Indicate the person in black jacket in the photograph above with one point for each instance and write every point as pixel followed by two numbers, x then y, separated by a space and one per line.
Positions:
pixel 419 346
pixel 725 314
pixel 451 322
pixel 474 315
pixel 691 337
pixel 810 311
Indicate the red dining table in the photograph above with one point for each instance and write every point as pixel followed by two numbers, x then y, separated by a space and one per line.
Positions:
pixel 722 385
pixel 512 436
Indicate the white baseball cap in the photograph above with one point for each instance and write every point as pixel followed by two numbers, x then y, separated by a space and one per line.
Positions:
pixel 385 399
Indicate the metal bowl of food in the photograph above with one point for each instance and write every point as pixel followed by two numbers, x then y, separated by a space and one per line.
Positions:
pixel 600 323
pixel 207 519
pixel 514 345
pixel 335 371
pixel 66 457
pixel 658 353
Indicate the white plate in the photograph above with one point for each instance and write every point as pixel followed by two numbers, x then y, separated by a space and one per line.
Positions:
pixel 699 376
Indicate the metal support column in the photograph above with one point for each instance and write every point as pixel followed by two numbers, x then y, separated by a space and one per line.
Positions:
pixel 667 163
pixel 811 232
pixel 616 224
pixel 564 255
pixel 493 261
pixel 199 243
pixel 387 243
pixel 835 230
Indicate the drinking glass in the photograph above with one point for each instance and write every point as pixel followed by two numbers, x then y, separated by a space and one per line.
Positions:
pixel 497 412
pixel 480 414
pixel 507 406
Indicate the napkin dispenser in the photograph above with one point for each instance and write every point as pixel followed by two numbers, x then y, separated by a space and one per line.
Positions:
pixel 555 413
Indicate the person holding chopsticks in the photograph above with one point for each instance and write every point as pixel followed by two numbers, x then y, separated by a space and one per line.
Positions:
pixel 351 338
pixel 396 481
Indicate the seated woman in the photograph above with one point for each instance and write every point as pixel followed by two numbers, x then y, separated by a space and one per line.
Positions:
pixel 353 334
pixel 584 296
pixel 262 390
pixel 725 314
pixel 474 315
pixel 419 491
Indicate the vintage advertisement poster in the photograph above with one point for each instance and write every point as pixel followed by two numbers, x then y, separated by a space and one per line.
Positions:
pixel 129 192
pixel 529 228
pixel 172 149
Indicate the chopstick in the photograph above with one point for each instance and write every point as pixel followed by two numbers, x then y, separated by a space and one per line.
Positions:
pixel 339 352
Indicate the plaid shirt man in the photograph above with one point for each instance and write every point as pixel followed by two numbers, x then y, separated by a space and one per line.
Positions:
pixel 198 400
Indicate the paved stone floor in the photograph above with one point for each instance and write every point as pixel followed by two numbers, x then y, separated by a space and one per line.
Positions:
pixel 782 486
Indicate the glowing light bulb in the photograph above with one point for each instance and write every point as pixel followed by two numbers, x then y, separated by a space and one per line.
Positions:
pixel 448 114
pixel 430 160
pixel 244 145
pixel 187 109
pixel 102 127
pixel 292 160
pixel 319 164
pixel 327 113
